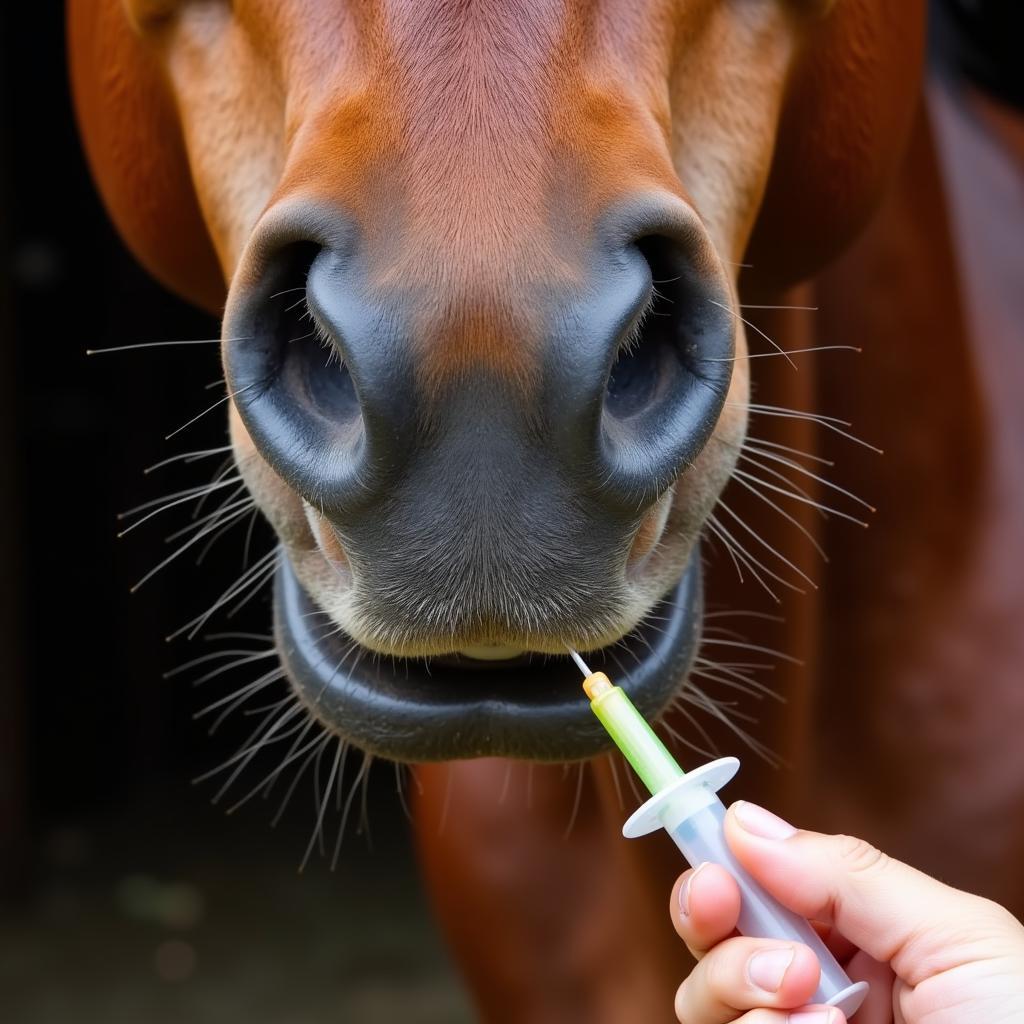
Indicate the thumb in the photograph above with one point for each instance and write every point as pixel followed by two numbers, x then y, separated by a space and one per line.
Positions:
pixel 893 912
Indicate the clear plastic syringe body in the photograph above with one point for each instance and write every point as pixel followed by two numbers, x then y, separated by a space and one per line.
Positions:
pixel 701 838
pixel 688 808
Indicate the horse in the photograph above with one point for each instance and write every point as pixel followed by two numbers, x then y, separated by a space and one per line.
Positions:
pixel 497 281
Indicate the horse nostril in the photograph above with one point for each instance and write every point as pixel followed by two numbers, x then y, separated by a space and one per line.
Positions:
pixel 669 371
pixel 292 373
pixel 648 353
pixel 308 360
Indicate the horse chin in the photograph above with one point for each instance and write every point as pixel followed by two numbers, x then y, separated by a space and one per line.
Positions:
pixel 528 706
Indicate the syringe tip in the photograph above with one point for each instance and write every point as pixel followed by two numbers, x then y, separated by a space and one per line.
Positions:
pixel 581 664
pixel 597 685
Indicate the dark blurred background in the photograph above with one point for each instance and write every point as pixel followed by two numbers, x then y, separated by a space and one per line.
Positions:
pixel 124 896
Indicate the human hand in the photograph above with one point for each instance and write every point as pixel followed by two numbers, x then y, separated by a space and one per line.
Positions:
pixel 932 954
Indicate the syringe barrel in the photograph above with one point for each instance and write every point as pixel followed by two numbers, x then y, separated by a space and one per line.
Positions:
pixel 701 838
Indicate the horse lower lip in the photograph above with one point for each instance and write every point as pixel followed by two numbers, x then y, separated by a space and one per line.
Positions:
pixel 412 710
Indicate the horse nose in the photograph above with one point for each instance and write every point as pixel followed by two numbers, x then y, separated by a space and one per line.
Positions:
pixel 638 383
pixel 635 364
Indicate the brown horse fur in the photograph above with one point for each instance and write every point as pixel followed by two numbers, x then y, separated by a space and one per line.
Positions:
pixel 450 128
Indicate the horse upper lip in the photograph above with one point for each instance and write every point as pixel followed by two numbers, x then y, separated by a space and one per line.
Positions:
pixel 532 707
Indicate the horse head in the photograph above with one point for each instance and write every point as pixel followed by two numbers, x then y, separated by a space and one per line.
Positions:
pixel 479 265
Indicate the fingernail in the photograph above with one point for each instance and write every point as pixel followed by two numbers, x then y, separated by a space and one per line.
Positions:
pixel 760 822
pixel 824 1016
pixel 684 889
pixel 767 968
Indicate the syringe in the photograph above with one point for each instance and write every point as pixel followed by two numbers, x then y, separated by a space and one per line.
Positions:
pixel 688 808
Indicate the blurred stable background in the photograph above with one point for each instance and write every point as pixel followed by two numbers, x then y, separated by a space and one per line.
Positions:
pixel 124 896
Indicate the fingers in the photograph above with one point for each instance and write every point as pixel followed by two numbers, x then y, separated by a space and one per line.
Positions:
pixel 807 1015
pixel 743 974
pixel 890 910
pixel 704 905
pixel 877 1007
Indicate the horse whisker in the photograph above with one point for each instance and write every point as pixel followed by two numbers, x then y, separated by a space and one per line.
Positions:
pixel 803 470
pixel 187 457
pixel 797 497
pixel 318 830
pixel 159 344
pixel 768 547
pixel 753 327
pixel 176 554
pixel 782 352
pixel 199 416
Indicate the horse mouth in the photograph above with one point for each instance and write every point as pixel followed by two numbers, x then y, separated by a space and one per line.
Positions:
pixel 448 708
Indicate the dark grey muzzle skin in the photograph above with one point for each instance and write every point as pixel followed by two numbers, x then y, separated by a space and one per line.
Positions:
pixel 535 709
pixel 474 507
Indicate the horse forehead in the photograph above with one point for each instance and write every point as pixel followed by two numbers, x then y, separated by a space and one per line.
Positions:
pixel 495 30
pixel 445 57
